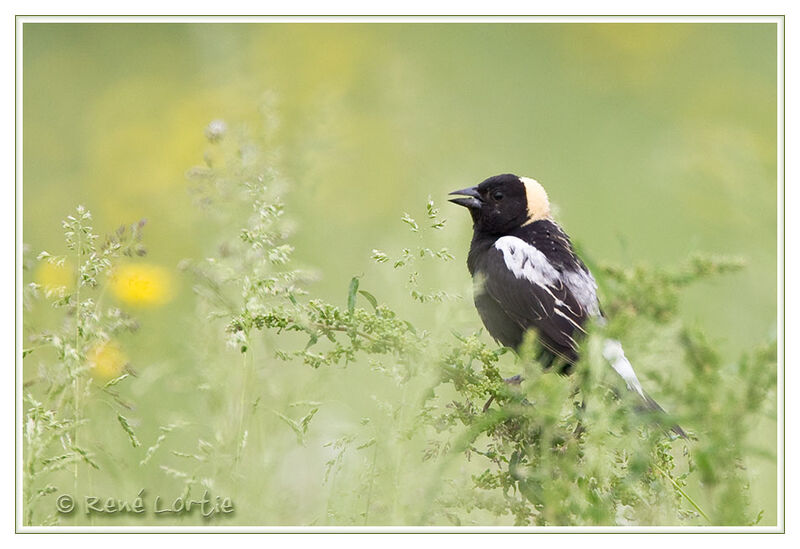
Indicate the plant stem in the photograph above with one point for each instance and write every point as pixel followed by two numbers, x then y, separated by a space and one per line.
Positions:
pixel 681 492
pixel 242 404
pixel 76 366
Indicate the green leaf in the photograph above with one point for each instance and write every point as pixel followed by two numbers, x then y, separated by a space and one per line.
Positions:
pixel 370 442
pixel 300 428
pixel 351 295
pixel 369 297
pixel 290 422
pixel 115 381
pixel 312 340
pixel 307 419
pixel 127 428
pixel 85 456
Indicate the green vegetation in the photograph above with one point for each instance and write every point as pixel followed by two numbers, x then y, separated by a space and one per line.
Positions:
pixel 299 336
pixel 553 451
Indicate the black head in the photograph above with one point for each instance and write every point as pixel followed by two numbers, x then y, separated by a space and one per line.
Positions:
pixel 504 202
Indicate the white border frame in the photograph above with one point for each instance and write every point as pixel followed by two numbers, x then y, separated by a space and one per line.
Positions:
pixel 777 19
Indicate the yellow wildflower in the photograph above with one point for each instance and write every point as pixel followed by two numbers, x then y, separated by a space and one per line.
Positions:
pixel 106 361
pixel 142 284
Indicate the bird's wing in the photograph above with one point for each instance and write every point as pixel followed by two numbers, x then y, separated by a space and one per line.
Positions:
pixel 534 294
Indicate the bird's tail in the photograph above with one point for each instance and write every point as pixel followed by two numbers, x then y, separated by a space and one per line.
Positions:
pixel 613 353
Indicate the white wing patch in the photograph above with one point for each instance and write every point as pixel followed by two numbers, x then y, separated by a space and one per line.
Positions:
pixel 613 353
pixel 525 261
pixel 584 288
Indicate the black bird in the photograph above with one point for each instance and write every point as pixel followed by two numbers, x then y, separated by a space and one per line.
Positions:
pixel 528 277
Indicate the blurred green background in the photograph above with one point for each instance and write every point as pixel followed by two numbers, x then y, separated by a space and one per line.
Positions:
pixel 653 140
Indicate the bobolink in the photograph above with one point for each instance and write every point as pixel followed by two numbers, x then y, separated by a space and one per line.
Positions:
pixel 528 277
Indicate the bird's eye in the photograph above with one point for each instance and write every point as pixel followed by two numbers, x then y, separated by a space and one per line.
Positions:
pixel 497 195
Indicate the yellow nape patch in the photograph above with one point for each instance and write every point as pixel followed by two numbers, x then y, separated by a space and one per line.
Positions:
pixel 538 203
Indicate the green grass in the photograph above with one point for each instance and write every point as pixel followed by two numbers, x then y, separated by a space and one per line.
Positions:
pixel 276 405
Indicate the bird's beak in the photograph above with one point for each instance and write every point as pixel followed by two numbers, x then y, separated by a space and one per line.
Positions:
pixel 472 198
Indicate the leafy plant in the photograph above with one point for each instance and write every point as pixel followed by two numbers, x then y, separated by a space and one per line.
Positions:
pixel 555 450
pixel 77 361
pixel 457 431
